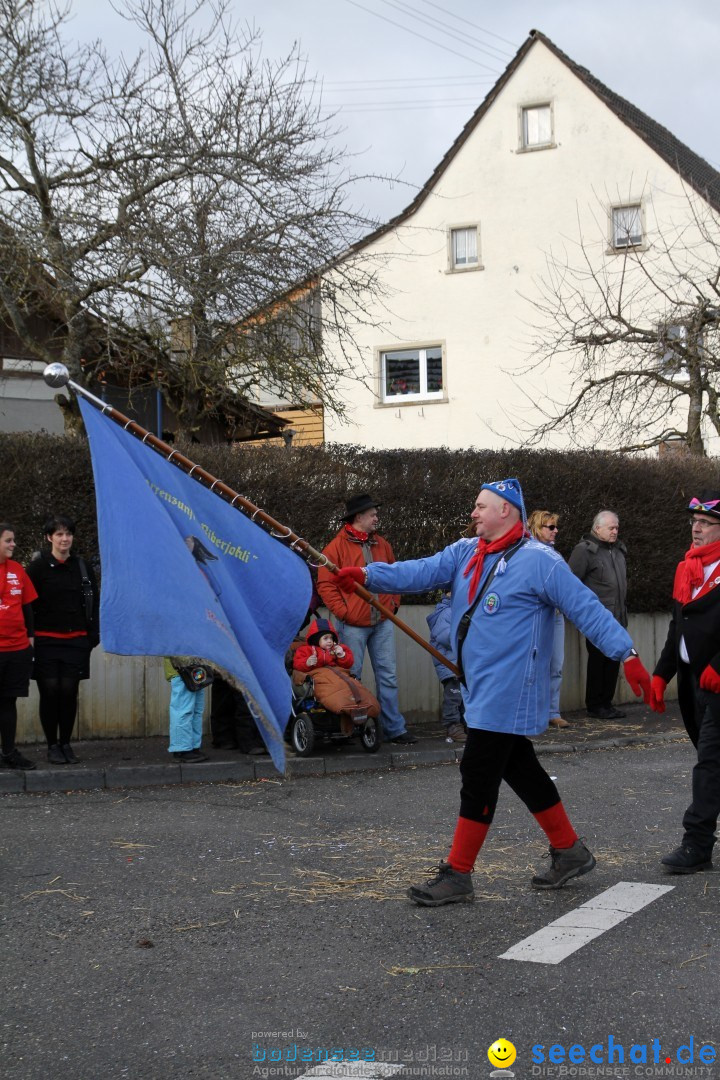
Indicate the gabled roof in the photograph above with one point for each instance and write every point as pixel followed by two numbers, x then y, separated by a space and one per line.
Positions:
pixel 693 169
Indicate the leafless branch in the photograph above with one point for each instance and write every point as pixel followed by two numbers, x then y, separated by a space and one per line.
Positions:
pixel 182 195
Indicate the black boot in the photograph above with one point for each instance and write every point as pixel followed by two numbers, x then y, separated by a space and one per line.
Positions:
pixel 687 860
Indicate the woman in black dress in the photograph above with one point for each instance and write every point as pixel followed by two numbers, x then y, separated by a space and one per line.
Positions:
pixel 66 630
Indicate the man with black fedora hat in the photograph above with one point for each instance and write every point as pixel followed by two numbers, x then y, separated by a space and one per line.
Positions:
pixel 692 652
pixel 362 626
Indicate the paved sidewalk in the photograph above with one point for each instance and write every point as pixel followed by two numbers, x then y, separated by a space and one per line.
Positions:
pixel 126 763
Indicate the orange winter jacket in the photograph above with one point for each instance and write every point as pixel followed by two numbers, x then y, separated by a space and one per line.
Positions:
pixel 345 550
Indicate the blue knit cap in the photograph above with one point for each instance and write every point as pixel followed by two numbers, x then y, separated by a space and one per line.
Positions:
pixel 510 491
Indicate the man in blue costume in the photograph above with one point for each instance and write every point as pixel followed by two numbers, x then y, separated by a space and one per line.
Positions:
pixel 505 589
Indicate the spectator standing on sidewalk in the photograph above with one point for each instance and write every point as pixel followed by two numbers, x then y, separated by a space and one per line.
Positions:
pixel 599 560
pixel 453 709
pixel 359 625
pixel 17 593
pixel 543 526
pixel 186 715
pixel 232 726
pixel 66 615
pixel 505 589
pixel 692 652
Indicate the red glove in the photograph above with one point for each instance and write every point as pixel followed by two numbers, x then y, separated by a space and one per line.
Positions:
pixel 710 680
pixel 638 678
pixel 657 694
pixel 349 577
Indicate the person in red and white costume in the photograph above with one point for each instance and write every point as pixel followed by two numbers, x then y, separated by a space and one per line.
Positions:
pixel 692 652
pixel 16 641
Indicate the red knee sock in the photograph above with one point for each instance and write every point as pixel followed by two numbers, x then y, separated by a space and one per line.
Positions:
pixel 555 823
pixel 467 841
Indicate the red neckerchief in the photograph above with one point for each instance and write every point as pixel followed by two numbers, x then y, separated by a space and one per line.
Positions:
pixel 483 549
pixel 356 534
pixel 689 574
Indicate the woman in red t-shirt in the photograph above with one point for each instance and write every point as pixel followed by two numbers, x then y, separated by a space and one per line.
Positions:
pixel 17 593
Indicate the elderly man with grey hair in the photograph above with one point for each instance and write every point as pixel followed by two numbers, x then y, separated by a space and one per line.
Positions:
pixel 599 561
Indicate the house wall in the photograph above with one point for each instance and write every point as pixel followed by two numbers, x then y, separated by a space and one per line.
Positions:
pixel 26 401
pixel 528 205
pixel 307 423
pixel 128 696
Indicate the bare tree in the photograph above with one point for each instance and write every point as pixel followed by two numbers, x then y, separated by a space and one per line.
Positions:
pixel 634 334
pixel 175 213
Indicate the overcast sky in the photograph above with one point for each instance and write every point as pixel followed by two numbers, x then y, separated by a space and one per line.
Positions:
pixel 404 87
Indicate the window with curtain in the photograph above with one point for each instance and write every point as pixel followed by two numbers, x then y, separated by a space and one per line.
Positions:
pixel 464 247
pixel 537 126
pixel 674 345
pixel 411 374
pixel 627 230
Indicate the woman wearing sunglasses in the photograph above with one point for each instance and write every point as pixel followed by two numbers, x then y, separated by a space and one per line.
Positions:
pixel 543 526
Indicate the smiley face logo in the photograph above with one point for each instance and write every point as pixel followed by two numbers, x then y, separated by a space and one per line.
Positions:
pixel 501 1054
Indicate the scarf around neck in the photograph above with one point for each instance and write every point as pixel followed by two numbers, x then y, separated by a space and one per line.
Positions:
pixel 483 548
pixel 358 534
pixel 689 574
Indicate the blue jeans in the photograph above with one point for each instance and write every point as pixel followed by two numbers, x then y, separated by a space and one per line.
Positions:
pixel 186 716
pixel 556 664
pixel 379 640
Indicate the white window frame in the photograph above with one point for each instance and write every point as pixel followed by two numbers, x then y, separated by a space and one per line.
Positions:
pixel 423 394
pixel 672 363
pixel 617 243
pixel 462 268
pixel 525 145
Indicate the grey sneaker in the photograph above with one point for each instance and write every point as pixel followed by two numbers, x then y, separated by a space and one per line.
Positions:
pixel 565 863
pixel 448 887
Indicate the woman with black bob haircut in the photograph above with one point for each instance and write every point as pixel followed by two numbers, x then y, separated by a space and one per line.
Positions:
pixel 66 630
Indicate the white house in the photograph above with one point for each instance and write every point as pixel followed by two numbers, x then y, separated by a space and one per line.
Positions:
pixel 551 156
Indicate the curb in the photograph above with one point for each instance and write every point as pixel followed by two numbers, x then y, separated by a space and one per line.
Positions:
pixel 115 777
pixel 610 744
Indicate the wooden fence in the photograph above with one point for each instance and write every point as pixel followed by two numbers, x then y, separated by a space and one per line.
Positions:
pixel 128 696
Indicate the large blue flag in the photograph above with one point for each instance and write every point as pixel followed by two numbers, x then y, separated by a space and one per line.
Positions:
pixel 186 575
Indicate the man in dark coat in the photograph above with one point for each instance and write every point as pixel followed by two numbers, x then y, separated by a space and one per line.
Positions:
pixel 692 652
pixel 599 561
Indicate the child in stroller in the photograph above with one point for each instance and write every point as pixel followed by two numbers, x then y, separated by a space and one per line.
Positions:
pixel 326 700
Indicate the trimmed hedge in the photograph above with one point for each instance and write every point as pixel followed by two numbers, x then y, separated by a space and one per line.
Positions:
pixel 426 495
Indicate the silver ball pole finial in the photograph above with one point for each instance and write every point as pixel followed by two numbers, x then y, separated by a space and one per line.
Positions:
pixel 56 375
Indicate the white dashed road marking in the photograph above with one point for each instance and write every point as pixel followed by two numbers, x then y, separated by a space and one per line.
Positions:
pixel 566 935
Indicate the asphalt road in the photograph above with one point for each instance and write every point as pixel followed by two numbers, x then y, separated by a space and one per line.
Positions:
pixel 186 932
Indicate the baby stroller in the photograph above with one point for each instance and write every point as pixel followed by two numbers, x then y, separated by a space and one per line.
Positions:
pixel 310 721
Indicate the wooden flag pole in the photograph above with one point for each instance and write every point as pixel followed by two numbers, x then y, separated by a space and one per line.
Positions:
pixel 57 375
